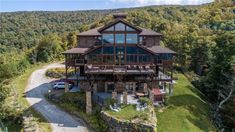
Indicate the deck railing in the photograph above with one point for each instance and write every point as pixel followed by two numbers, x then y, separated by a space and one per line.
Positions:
pixel 119 69
pixel 79 62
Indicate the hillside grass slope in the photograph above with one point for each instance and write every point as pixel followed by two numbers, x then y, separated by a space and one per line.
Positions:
pixel 187 110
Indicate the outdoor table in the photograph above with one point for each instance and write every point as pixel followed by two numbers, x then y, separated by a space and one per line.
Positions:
pixel 139 94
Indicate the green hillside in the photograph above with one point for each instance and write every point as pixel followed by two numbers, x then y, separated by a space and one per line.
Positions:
pixel 202 35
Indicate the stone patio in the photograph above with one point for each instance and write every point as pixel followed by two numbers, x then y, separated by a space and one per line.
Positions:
pixel 130 97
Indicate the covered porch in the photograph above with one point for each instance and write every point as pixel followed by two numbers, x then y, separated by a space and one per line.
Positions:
pixel 102 96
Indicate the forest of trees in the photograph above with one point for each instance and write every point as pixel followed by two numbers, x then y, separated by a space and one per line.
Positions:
pixel 203 37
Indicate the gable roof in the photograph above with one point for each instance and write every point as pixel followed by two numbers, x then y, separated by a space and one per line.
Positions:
pixel 92 32
pixel 117 21
pixel 96 31
pixel 160 50
pixel 76 51
pixel 148 32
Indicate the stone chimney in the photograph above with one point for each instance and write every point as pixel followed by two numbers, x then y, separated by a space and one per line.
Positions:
pixel 119 15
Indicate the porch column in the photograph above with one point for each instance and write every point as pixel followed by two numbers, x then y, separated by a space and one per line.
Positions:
pixel 66 89
pixel 171 86
pixel 105 87
pixel 95 88
pixel 88 102
pixel 151 95
pixel 145 88
pixel 134 87
pixel 114 95
pixel 164 86
pixel 124 97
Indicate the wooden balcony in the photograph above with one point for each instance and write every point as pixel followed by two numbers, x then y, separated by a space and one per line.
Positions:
pixel 79 62
pixel 125 69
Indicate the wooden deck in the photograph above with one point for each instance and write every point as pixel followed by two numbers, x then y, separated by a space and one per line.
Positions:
pixel 127 69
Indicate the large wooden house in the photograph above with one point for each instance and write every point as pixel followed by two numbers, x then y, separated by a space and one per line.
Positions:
pixel 118 58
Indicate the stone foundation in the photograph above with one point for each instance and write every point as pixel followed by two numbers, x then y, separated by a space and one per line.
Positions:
pixel 118 125
pixel 88 102
pixel 83 85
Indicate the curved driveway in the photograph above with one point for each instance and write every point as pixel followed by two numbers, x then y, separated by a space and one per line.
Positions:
pixel 61 121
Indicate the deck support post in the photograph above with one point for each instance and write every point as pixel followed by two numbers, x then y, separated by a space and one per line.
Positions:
pixel 164 86
pixel 88 102
pixel 171 85
pixel 145 88
pixel 114 95
pixel 134 87
pixel 105 87
pixel 95 88
pixel 125 97
pixel 151 95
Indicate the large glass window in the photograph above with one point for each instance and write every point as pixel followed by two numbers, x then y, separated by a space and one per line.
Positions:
pixel 131 38
pixel 129 28
pixel 132 58
pixel 119 27
pixel 93 58
pixel 108 50
pixel 110 28
pixel 120 38
pixel 108 38
pixel 131 50
pixel 120 52
pixel 108 59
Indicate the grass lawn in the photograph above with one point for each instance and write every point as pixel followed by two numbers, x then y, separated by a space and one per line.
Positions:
pixel 20 83
pixel 128 112
pixel 187 111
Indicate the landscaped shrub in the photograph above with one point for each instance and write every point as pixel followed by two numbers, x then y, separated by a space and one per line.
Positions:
pixel 144 100
pixel 58 72
pixel 77 99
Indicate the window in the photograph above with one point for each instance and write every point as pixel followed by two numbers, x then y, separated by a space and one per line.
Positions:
pixel 110 29
pixel 119 27
pixel 108 50
pixel 94 58
pixel 132 58
pixel 108 38
pixel 140 40
pixel 129 28
pixel 131 50
pixel 119 38
pixel 108 59
pixel 98 41
pixel 166 56
pixel 131 38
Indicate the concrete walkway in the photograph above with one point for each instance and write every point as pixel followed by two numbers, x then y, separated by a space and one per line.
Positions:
pixel 61 121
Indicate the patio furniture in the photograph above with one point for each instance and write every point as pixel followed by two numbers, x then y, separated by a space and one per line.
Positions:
pixel 139 94
pixel 114 109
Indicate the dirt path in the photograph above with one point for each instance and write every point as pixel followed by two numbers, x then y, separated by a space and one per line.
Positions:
pixel 61 121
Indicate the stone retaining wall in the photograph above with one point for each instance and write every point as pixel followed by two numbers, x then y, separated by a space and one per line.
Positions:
pixel 118 125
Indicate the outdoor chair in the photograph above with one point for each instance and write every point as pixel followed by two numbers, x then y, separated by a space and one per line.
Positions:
pixel 113 109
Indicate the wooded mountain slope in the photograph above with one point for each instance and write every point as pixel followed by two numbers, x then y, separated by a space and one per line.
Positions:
pixel 202 36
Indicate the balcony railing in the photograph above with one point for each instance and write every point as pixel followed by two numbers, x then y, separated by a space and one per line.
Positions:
pixel 114 69
pixel 79 62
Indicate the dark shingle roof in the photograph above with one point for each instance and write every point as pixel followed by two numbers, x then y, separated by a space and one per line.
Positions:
pixel 159 50
pixel 92 32
pixel 148 32
pixel 95 31
pixel 76 51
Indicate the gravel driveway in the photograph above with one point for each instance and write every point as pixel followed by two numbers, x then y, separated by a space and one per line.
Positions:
pixel 61 121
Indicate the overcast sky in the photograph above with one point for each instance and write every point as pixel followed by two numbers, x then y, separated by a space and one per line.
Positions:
pixel 68 5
